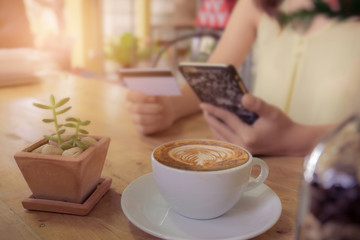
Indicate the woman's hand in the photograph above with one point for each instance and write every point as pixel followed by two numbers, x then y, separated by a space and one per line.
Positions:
pixel 150 114
pixel 273 133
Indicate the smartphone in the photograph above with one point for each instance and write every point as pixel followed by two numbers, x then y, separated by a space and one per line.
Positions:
pixel 219 85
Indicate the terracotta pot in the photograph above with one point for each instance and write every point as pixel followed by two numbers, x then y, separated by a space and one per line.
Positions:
pixel 61 178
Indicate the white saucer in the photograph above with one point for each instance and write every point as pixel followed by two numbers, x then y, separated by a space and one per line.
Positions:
pixel 256 212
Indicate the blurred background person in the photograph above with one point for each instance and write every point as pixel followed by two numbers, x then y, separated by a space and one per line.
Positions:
pixel 14 25
pixel 297 74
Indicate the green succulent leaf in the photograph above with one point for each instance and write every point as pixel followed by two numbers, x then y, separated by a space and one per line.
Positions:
pixel 61 102
pixel 71 137
pixel 85 123
pixel 71 125
pixel 66 145
pixel 41 106
pixel 80 144
pixel 83 131
pixel 46 120
pixel 61 131
pixel 71 119
pixel 63 111
pixel 71 141
pixel 52 138
pixel 52 100
pixel 74 123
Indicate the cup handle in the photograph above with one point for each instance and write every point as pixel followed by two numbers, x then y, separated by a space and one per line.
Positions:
pixel 253 183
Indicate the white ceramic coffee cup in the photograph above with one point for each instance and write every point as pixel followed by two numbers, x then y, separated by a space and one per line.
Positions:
pixel 206 194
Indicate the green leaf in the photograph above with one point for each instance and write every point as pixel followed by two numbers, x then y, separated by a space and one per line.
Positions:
pixel 71 119
pixel 63 111
pixel 71 125
pixel 48 120
pixel 61 102
pixel 85 123
pixel 52 138
pixel 80 144
pixel 72 137
pixel 52 100
pixel 61 131
pixel 41 106
pixel 71 141
pixel 83 131
pixel 66 145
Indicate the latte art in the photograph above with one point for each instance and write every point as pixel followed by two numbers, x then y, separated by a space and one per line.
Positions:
pixel 201 155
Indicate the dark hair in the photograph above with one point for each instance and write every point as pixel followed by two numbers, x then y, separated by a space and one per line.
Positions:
pixel 269 6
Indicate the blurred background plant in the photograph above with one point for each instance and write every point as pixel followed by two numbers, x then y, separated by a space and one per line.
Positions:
pixel 125 50
pixel 339 9
pixel 122 49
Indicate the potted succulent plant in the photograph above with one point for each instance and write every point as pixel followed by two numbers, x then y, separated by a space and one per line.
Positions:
pixel 63 171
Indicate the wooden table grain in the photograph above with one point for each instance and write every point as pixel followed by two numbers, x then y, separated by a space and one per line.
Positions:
pixel 128 158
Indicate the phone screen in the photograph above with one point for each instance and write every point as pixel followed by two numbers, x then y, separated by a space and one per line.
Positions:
pixel 218 84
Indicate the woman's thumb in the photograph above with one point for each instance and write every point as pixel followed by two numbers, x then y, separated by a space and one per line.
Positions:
pixel 256 105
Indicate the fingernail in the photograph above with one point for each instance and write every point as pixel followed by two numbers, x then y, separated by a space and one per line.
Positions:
pixel 203 105
pixel 249 100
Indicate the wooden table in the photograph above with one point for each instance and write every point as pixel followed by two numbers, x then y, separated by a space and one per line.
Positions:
pixel 128 158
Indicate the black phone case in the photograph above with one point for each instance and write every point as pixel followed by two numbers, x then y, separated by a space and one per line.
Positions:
pixel 219 85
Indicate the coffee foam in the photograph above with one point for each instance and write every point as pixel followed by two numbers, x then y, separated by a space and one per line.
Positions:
pixel 201 155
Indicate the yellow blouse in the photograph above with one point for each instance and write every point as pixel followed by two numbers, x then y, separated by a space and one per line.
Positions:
pixel 315 78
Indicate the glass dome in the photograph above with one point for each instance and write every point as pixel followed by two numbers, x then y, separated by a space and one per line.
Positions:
pixel 330 193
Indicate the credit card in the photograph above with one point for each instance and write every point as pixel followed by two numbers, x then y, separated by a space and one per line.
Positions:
pixel 151 81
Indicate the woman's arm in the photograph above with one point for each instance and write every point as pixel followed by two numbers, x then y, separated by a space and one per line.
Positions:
pixel 239 34
pixel 153 114
pixel 233 47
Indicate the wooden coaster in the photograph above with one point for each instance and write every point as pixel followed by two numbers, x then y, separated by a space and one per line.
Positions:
pixel 31 203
